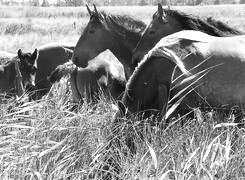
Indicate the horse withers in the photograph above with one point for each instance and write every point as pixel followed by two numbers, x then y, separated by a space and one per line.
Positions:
pixel 100 76
pixel 18 73
pixel 166 21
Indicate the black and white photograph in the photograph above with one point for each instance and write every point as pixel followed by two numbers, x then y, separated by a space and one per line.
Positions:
pixel 122 89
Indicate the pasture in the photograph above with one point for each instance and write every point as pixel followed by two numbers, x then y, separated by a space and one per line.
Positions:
pixel 44 140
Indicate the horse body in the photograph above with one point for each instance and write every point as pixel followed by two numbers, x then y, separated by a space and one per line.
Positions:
pixel 100 76
pixel 119 34
pixel 216 64
pixel 165 22
pixel 50 56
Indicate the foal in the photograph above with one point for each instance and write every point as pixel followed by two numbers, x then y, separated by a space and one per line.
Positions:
pixel 18 73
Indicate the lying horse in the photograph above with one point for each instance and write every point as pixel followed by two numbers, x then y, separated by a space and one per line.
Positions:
pixel 17 74
pixel 50 56
pixel 216 63
pixel 87 83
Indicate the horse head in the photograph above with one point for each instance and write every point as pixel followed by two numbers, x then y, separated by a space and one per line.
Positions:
pixel 28 68
pixel 95 39
pixel 161 25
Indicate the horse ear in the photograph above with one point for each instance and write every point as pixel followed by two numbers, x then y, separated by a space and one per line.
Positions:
pixel 122 108
pixel 34 55
pixel 95 10
pixel 89 11
pixel 160 10
pixel 20 54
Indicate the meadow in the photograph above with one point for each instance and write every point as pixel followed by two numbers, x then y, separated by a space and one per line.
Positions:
pixel 45 140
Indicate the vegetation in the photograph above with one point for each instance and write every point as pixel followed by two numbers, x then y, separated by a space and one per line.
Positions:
pixel 44 140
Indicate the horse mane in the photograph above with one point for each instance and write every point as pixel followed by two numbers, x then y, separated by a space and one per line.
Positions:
pixel 121 24
pixel 223 26
pixel 209 26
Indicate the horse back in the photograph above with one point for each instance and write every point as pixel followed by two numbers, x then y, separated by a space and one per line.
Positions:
pixel 231 48
pixel 49 58
pixel 58 44
pixel 6 56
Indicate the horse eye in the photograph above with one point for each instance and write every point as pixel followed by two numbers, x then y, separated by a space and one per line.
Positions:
pixel 152 32
pixel 91 31
pixel 33 70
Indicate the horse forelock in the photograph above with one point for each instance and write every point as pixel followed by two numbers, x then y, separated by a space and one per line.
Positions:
pixel 189 21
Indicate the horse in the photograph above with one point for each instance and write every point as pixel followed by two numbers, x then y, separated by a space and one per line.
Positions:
pixel 18 73
pixel 5 56
pixel 165 22
pixel 50 56
pixel 214 69
pixel 100 76
pixel 117 33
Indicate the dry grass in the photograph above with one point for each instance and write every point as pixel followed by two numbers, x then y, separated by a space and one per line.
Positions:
pixel 44 140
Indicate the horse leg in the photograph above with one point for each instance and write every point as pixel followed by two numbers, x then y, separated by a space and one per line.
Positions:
pixel 163 94
pixel 77 99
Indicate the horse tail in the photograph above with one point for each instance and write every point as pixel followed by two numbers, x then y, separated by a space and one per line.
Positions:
pixel 61 71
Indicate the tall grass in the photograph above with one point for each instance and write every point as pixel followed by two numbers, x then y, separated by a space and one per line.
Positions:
pixel 45 140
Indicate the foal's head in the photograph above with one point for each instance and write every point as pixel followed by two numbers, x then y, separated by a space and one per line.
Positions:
pixel 28 68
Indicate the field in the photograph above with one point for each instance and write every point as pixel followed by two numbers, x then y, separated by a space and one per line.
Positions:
pixel 44 140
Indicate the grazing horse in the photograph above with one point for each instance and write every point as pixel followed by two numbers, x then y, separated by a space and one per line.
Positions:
pixel 165 22
pixel 100 76
pixel 50 56
pixel 117 33
pixel 17 74
pixel 216 63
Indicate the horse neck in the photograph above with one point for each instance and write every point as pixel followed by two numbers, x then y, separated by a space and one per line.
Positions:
pixel 122 48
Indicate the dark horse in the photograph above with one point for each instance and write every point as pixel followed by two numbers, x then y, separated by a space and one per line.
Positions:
pixel 165 22
pixel 50 56
pixel 18 73
pixel 216 63
pixel 100 76
pixel 117 33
